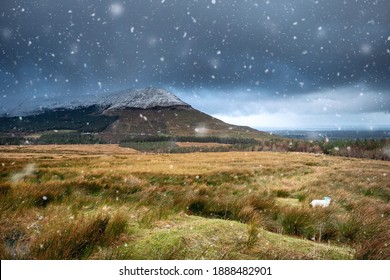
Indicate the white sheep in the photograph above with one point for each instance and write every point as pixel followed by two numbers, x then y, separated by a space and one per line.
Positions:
pixel 321 202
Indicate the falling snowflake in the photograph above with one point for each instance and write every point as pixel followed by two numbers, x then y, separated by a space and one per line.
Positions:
pixel 116 9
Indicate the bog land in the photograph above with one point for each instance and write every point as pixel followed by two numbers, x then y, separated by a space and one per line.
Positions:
pixel 111 202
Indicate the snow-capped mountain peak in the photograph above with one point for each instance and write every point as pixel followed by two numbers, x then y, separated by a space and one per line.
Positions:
pixel 141 99
pixel 126 99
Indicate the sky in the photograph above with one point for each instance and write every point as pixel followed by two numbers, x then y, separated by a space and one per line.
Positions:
pixel 269 64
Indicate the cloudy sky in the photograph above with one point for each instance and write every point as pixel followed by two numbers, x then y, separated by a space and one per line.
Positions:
pixel 264 63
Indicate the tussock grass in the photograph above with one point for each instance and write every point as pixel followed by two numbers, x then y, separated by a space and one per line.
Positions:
pixel 253 234
pixel 117 225
pixel 79 204
pixel 297 222
pixel 76 241
pixel 282 193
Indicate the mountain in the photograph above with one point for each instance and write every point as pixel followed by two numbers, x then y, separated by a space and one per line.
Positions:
pixel 141 99
pixel 117 116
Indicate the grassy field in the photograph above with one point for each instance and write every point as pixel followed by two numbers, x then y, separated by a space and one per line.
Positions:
pixel 110 202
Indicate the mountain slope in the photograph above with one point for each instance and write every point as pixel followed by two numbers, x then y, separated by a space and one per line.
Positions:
pixel 158 112
pixel 118 115
pixel 173 122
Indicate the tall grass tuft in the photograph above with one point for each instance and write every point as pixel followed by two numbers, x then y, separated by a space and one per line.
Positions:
pixel 147 218
pixel 282 193
pixel 76 241
pixel 297 222
pixel 377 248
pixel 372 239
pixel 253 234
pixel 259 202
pixel 349 229
pixel 115 227
pixel 248 213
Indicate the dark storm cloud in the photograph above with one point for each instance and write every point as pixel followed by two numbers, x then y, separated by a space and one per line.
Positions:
pixel 277 48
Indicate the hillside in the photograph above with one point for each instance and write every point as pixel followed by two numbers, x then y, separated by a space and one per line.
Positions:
pixel 117 116
pixel 174 121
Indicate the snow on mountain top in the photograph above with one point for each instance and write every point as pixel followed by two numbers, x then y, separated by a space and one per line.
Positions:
pixel 141 98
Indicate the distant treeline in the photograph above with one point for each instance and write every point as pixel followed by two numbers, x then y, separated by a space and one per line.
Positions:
pixel 69 138
pixel 197 139
pixel 12 140
pixel 52 138
pixel 361 148
pixel 172 147
pixel 366 148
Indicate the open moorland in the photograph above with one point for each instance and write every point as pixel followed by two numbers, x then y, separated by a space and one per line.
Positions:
pixel 111 202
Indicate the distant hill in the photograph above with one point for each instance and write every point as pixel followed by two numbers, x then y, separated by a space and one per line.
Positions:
pixel 120 115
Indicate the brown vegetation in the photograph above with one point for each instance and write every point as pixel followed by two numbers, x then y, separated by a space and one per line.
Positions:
pixel 77 203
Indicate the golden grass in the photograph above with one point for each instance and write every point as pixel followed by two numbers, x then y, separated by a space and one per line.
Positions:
pixel 199 144
pixel 82 149
pixel 126 204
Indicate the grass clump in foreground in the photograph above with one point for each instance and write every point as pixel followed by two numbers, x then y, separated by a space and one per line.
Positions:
pixel 194 206
pixel 76 241
pixel 191 237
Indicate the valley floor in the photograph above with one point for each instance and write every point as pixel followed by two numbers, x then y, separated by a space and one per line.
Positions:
pixel 108 202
